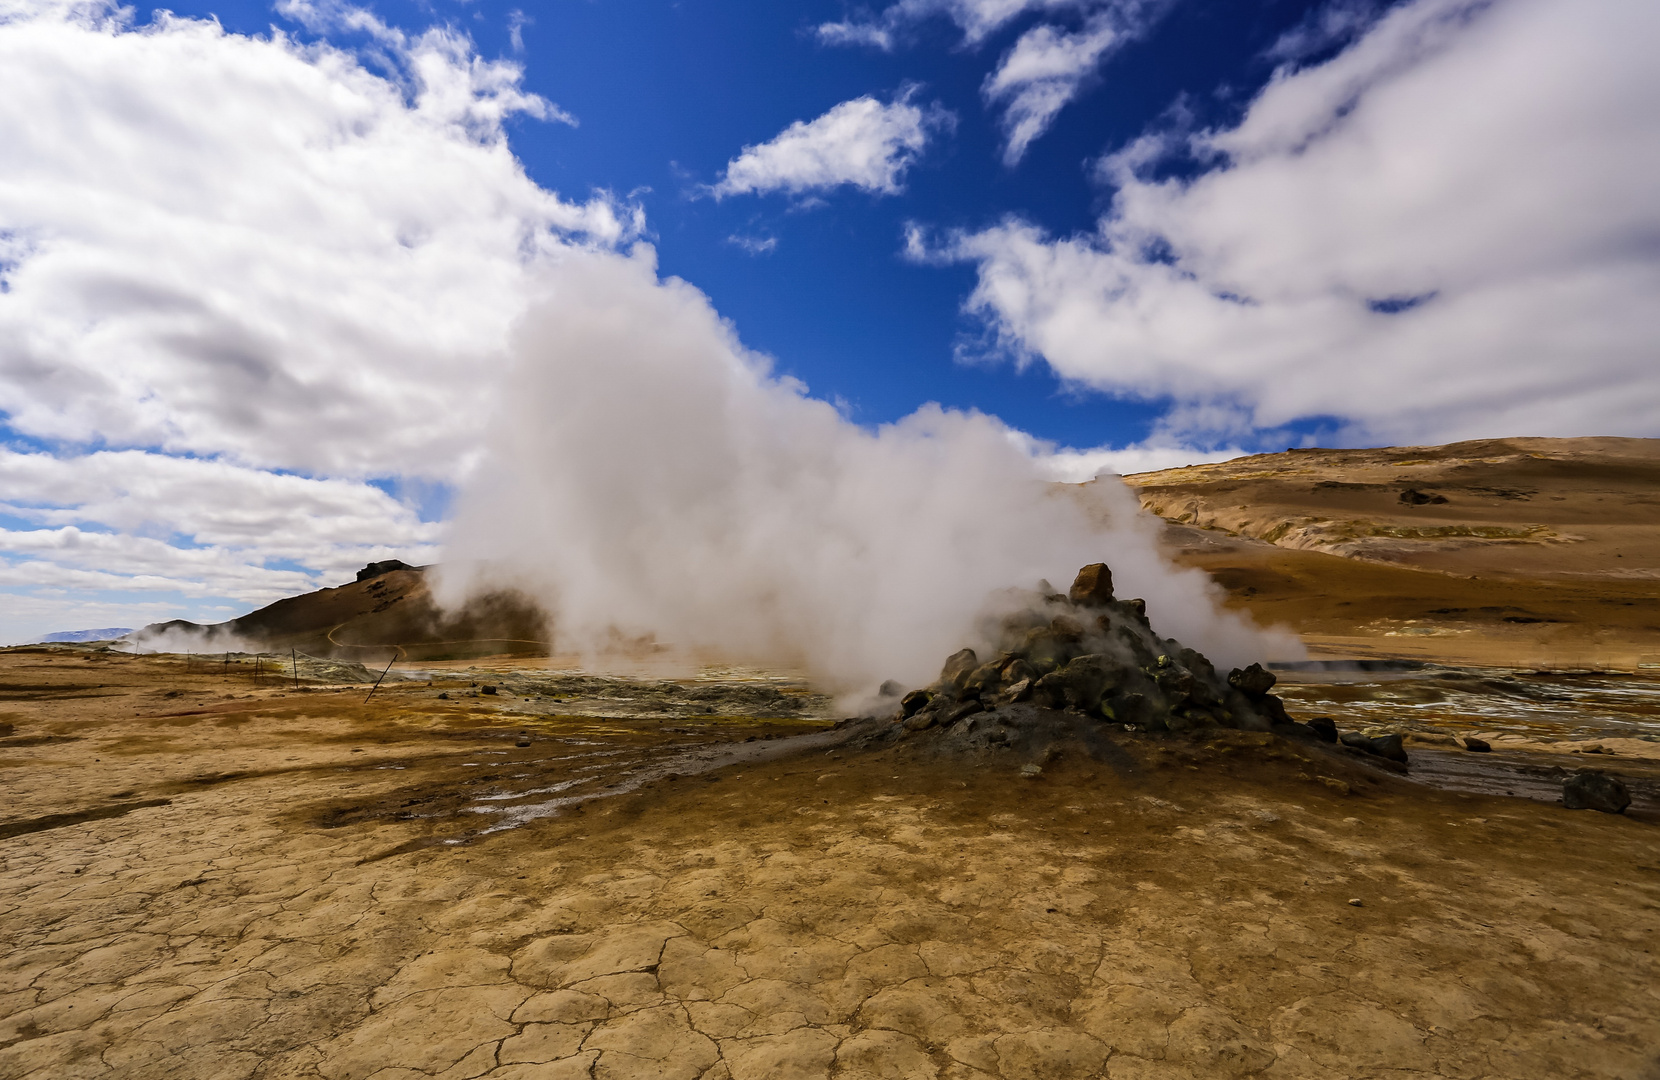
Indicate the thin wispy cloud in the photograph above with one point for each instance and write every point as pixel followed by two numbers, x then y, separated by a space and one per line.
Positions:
pixel 753 245
pixel 977 19
pixel 1045 69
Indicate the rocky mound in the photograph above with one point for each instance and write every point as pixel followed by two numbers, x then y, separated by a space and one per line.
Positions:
pixel 389 608
pixel 1069 666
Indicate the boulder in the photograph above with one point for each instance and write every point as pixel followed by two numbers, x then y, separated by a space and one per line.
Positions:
pixel 912 702
pixel 1067 628
pixel 957 669
pixel 958 711
pixel 1414 497
pixel 1014 692
pixel 1047 649
pixel 376 569
pixel 1253 681
pixel 1175 682
pixel 1018 670
pixel 1392 747
pixel 986 677
pixel 923 719
pixel 1092 587
pixel 1050 691
pixel 1324 728
pixel 1085 678
pixel 1389 747
pixel 1273 708
pixel 1593 789
pixel 1474 745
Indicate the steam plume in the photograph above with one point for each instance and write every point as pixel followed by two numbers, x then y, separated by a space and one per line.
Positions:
pixel 650 479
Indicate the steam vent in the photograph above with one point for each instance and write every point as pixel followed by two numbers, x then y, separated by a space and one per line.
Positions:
pixel 1070 663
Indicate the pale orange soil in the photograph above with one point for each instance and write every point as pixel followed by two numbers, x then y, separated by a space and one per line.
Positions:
pixel 261 885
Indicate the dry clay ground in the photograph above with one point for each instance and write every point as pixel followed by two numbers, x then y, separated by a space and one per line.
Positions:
pixel 248 881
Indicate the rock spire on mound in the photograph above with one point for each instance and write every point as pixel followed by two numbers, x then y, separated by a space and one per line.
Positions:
pixel 1087 652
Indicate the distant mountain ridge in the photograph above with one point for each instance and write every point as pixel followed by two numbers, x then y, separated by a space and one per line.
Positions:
pixel 109 633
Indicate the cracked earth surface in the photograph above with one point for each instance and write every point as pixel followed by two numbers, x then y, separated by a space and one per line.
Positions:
pixel 298 886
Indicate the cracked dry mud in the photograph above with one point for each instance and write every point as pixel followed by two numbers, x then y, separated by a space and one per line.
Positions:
pixel 260 885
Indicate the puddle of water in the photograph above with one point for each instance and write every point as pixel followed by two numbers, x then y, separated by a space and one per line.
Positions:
pixel 1547 707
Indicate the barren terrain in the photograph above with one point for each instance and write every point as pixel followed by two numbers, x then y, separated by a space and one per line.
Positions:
pixel 201 875
pixel 508 868
pixel 1508 552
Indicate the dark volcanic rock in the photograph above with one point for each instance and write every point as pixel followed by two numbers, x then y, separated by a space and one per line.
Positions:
pixel 376 569
pixel 911 702
pixel 1414 497
pixel 1475 745
pixel 957 669
pixel 1392 747
pixel 1324 727
pixel 1389 747
pixel 1084 667
pixel 1593 789
pixel 1253 681
pixel 1093 586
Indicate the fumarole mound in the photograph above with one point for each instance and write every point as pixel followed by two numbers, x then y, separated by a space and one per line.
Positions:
pixel 1070 663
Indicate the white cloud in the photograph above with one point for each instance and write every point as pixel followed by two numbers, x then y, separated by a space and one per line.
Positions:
pixel 1043 72
pixel 861 142
pixel 977 19
pixel 135 522
pixel 1069 466
pixel 252 247
pixel 1446 231
pixel 1336 23
pixel 257 252
pixel 753 245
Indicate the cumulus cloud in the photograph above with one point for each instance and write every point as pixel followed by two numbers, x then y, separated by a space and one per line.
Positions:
pixel 862 143
pixel 1445 231
pixel 733 517
pixel 222 255
pixel 220 244
pixel 134 523
pixel 1067 465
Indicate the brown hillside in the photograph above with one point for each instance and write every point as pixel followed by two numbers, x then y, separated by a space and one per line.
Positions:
pixel 368 619
pixel 1520 551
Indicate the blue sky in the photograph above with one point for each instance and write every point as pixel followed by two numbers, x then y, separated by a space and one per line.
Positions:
pixel 666 93
pixel 258 293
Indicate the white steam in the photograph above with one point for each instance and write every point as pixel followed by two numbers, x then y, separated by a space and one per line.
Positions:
pixel 649 479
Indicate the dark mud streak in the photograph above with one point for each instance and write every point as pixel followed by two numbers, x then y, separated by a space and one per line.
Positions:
pixel 58 821
pixel 680 761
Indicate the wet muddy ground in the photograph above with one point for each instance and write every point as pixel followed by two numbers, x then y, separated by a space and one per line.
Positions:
pixel 571 877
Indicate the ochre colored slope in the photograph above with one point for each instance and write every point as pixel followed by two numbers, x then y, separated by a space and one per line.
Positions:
pixel 391 612
pixel 1545 552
